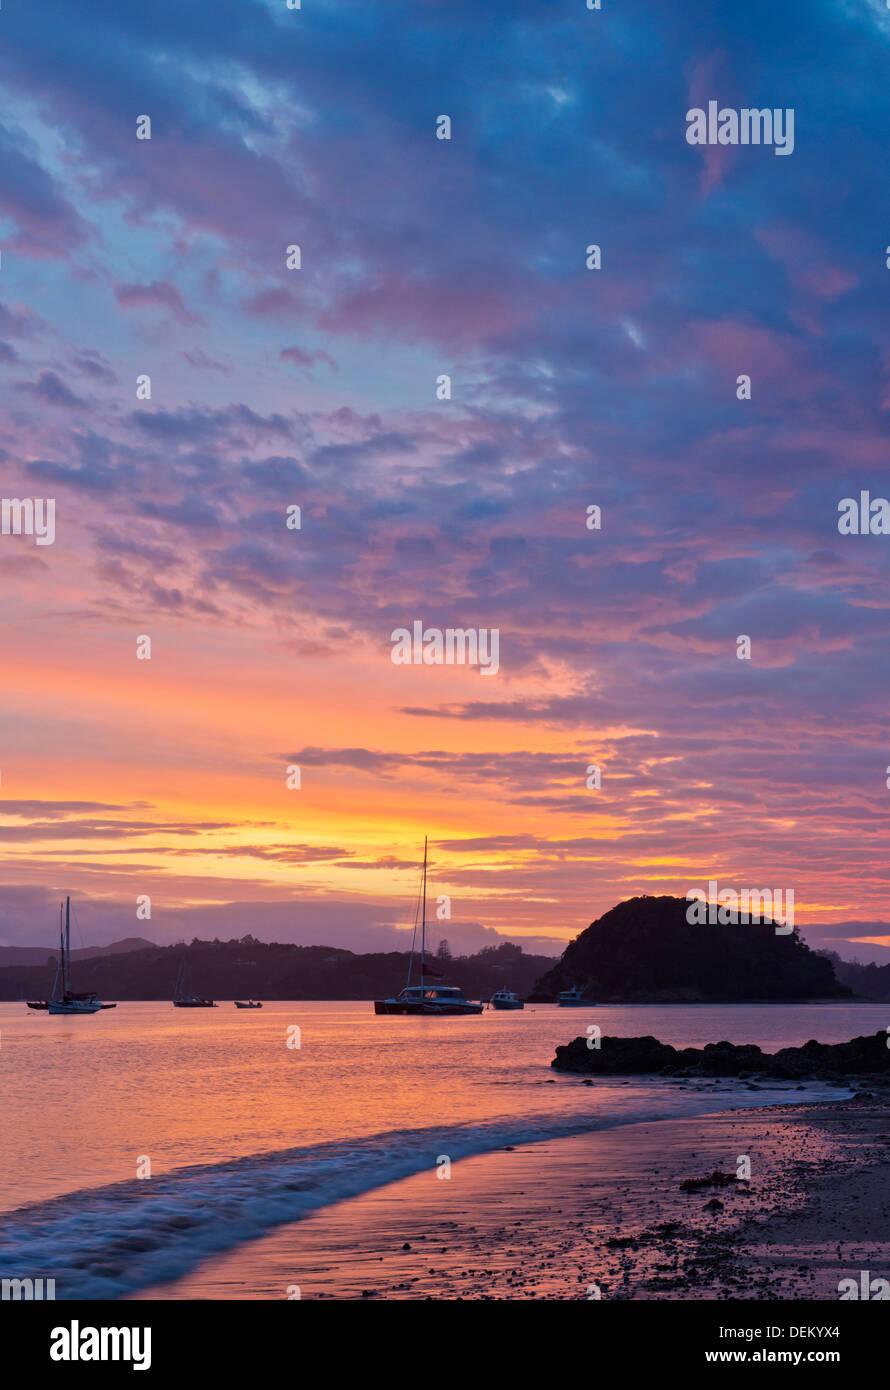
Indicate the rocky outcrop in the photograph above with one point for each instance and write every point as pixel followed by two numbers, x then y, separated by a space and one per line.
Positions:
pixel 639 1056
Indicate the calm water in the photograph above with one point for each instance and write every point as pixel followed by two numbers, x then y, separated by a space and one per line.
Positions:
pixel 243 1132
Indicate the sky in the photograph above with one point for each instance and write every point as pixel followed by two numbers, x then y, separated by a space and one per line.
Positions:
pixel 316 387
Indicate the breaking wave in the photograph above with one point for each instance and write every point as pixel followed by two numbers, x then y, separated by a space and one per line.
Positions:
pixel 104 1243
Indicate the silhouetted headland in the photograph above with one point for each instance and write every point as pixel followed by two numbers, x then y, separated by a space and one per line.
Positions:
pixel 644 951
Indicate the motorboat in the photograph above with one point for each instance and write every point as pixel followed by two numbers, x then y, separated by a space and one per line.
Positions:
pixel 506 999
pixel 573 999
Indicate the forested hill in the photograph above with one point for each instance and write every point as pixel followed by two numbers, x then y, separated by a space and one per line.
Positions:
pixel 870 981
pixel 645 951
pixel 260 970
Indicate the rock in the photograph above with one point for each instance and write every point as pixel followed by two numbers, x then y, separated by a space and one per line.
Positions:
pixel 715 1179
pixel 638 1056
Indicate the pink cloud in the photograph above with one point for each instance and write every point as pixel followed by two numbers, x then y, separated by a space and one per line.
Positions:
pixel 807 264
pixel 307 359
pixel 706 79
pixel 159 294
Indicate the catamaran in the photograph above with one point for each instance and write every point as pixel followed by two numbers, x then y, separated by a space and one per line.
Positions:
pixel 425 998
pixel 63 999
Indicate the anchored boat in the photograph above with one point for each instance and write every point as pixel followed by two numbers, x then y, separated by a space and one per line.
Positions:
pixel 573 999
pixel 183 998
pixel 506 999
pixel 64 1000
pixel 426 998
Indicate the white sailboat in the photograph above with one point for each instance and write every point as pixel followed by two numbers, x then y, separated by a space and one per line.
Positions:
pixel 64 1000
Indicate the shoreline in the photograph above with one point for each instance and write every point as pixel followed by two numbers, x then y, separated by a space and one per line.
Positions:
pixel 600 1211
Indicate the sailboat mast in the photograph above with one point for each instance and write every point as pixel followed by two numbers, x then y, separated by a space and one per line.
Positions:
pixel 67 979
pixel 423 918
pixel 60 965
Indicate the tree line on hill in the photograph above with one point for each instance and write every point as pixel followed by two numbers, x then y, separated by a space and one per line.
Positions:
pixel 274 970
pixel 643 950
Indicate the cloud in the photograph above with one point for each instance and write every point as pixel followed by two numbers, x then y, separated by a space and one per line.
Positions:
pixel 569 388
pixel 302 358
pixel 49 389
pixel 160 294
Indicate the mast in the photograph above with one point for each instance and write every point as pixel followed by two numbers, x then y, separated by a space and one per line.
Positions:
pixel 67 977
pixel 423 919
pixel 60 964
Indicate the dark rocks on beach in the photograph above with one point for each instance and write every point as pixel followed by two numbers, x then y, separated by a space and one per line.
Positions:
pixel 637 1056
pixel 715 1179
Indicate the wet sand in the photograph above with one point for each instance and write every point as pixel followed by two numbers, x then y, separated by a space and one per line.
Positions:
pixel 602 1212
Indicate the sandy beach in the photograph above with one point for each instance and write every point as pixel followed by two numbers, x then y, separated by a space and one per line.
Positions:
pixel 602 1212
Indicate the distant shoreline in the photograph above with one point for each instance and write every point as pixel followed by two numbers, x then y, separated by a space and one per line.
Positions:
pixel 222 999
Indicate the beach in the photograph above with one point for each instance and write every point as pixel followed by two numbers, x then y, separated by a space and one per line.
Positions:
pixel 602 1214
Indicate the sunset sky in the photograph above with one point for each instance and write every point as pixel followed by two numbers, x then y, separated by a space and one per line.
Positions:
pixel 317 387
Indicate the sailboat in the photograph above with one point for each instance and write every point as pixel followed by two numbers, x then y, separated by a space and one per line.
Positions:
pixel 183 998
pixel 64 1000
pixel 425 998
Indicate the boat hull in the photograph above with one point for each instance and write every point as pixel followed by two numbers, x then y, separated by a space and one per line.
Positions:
pixel 507 1004
pixel 428 1010
pixel 194 1004
pixel 240 1005
pixel 77 1007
